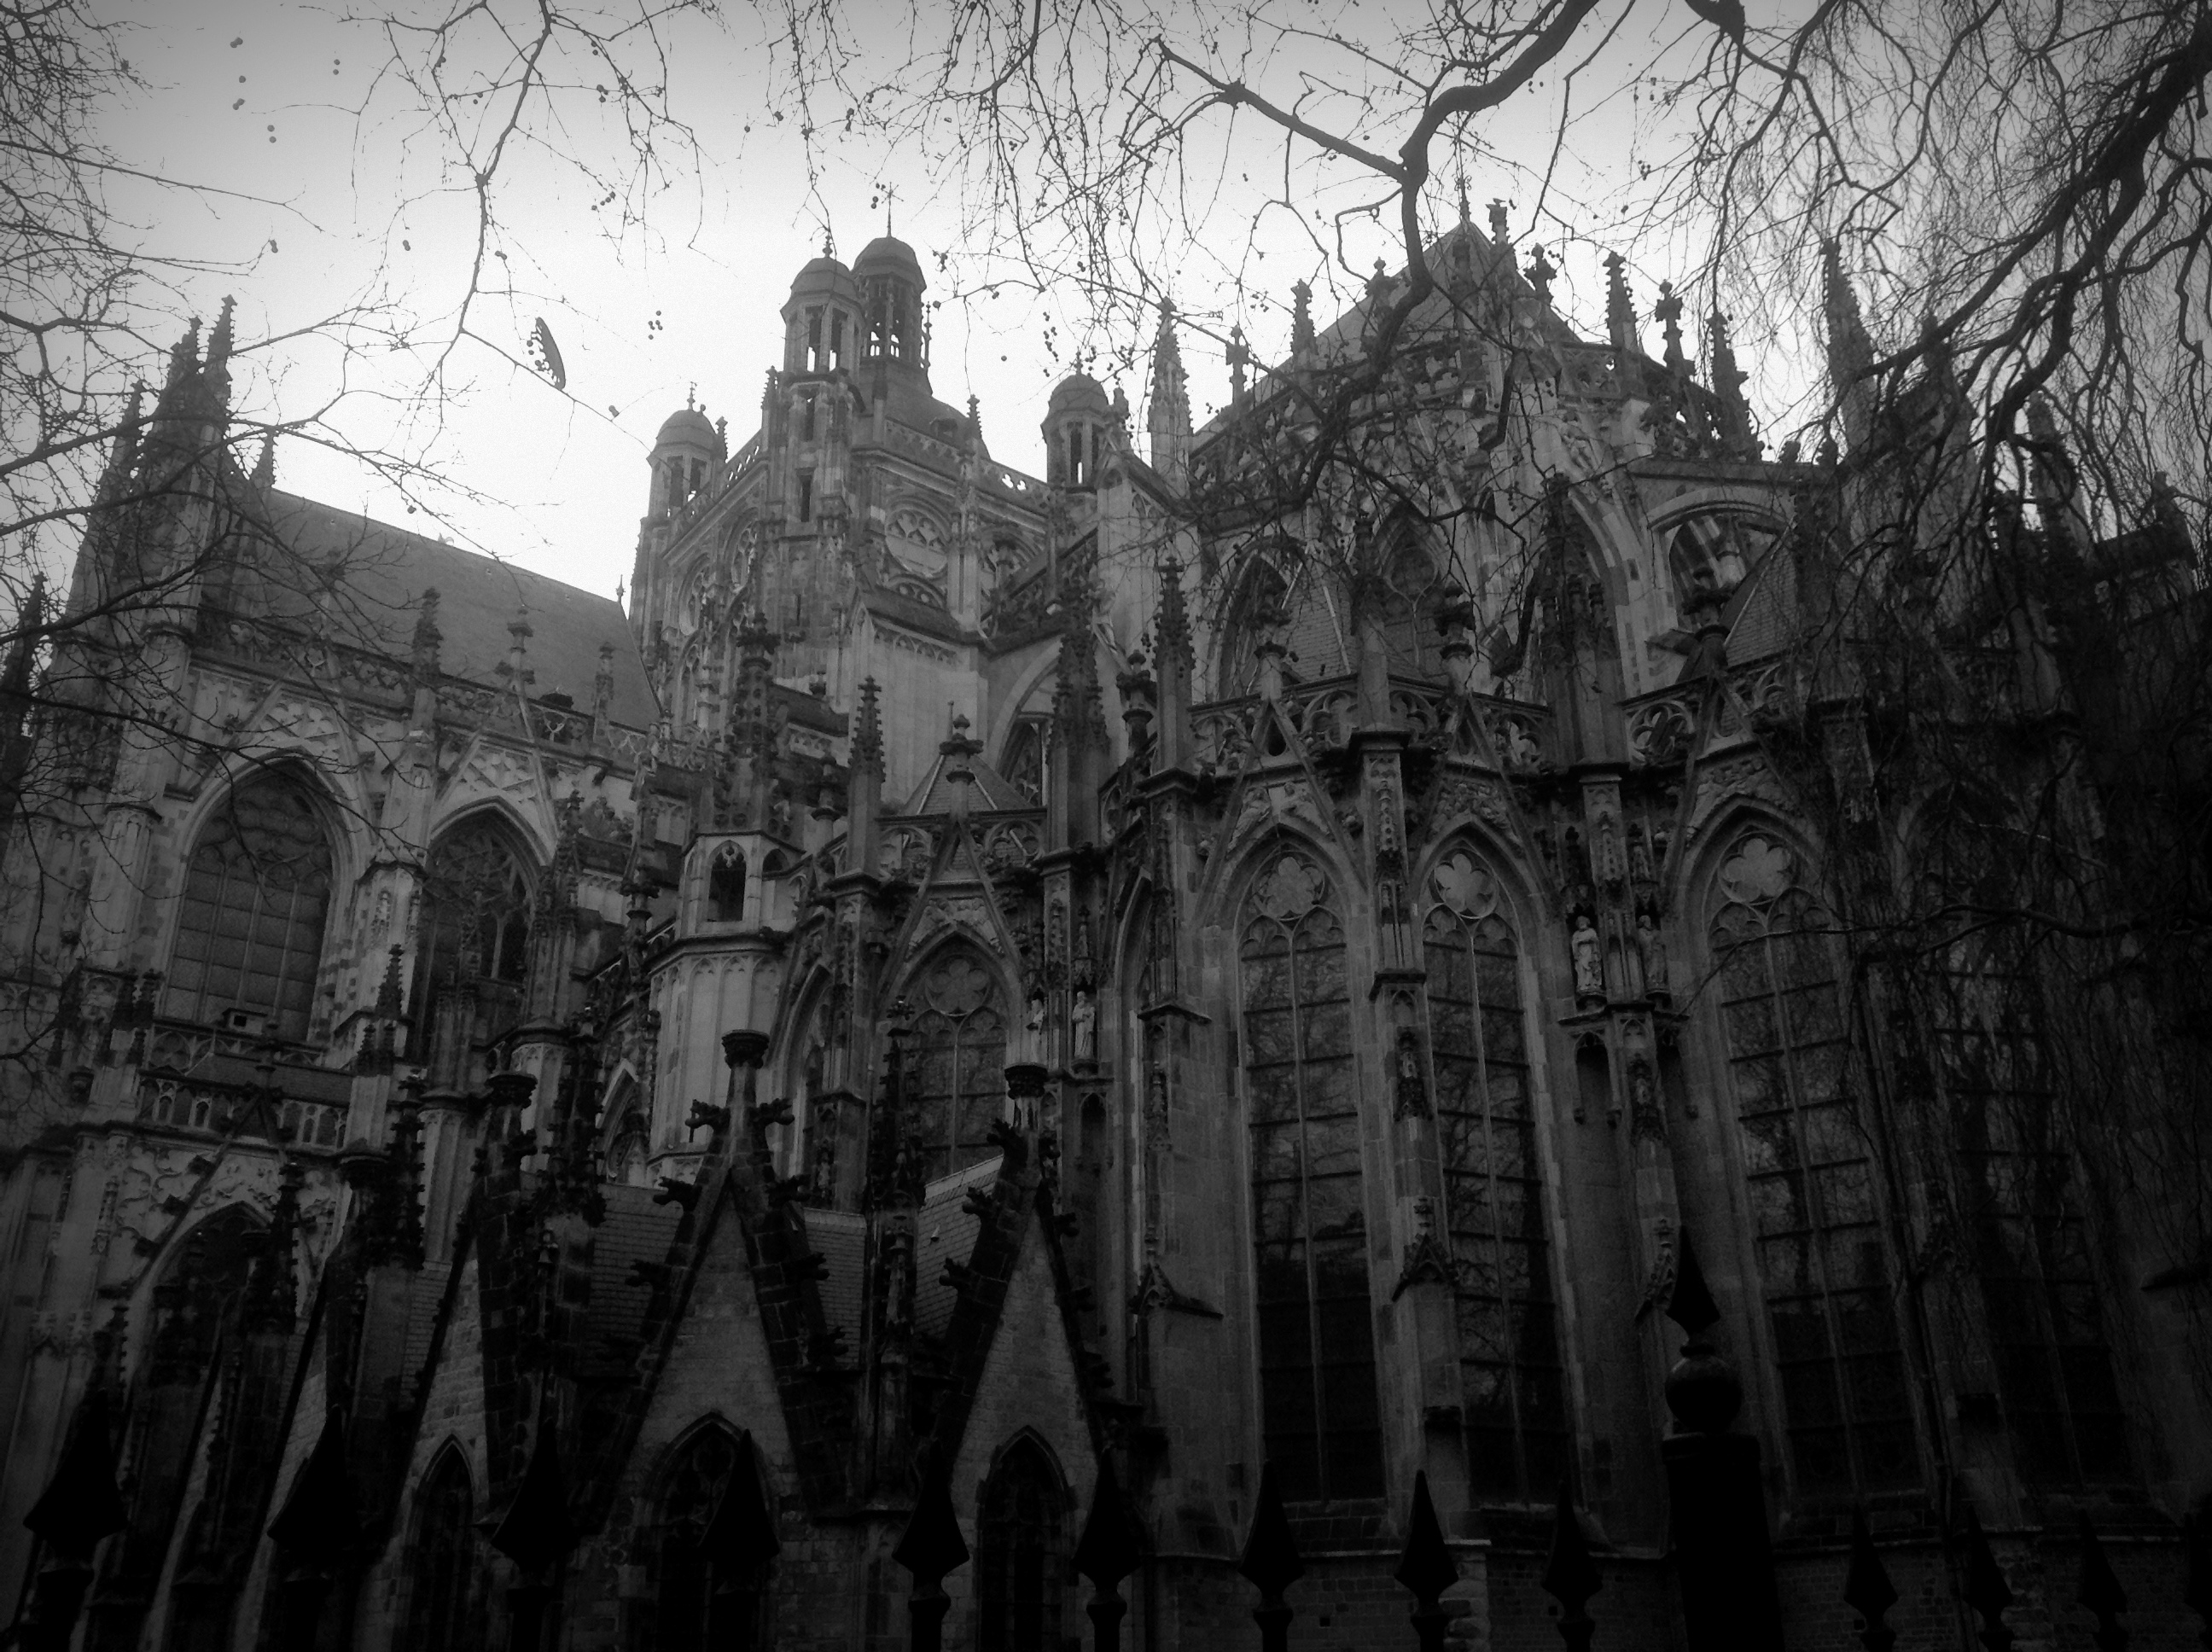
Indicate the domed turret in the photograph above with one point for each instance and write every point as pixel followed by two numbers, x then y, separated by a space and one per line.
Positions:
pixel 1076 422
pixel 687 448
pixel 821 318
pixel 892 285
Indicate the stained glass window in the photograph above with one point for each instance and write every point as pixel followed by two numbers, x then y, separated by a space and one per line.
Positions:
pixel 1508 1343
pixel 695 1485
pixel 476 928
pixel 1308 1223
pixel 444 1559
pixel 958 1084
pixel 1823 1269
pixel 250 930
pixel 2030 1250
pixel 1021 1559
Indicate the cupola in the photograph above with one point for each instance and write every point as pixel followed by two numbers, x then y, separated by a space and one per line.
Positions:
pixel 890 284
pixel 1075 424
pixel 822 323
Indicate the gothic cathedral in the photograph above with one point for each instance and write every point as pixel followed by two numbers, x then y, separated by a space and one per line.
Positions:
pixel 988 1031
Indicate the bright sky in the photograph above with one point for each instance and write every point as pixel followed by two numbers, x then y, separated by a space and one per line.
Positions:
pixel 262 99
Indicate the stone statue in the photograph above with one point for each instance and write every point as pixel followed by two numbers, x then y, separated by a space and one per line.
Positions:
pixel 1033 1026
pixel 1085 1018
pixel 1589 969
pixel 1652 948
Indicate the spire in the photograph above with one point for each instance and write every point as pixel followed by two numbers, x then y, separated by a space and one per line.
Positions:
pixel 1301 326
pixel 868 732
pixel 264 464
pixel 1466 220
pixel 1239 358
pixel 123 458
pixel 1172 662
pixel 1173 631
pixel 219 341
pixel 1727 380
pixel 974 420
pixel 1850 352
pixel 183 360
pixel 1619 308
pixel 1169 417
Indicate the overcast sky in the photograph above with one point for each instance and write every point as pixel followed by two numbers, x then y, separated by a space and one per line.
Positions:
pixel 266 100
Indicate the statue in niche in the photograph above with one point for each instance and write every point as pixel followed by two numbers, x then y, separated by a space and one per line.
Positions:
pixel 1412 1096
pixel 1033 1026
pixel 1639 856
pixel 1644 1117
pixel 823 1187
pixel 1651 948
pixel 1084 1017
pixel 1589 967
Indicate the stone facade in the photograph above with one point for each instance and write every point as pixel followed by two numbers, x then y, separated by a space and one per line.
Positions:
pixel 971 976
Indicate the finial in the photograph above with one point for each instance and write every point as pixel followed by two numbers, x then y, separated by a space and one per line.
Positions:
pixel 1463 217
pixel 975 418
pixel 1668 312
pixel 1301 326
pixel 828 243
pixel 1540 275
pixel 691 397
pixel 1497 229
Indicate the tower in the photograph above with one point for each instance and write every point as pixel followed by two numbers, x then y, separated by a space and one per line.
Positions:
pixel 894 344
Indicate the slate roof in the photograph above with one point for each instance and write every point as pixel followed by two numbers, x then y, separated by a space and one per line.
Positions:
pixel 383 572
pixel 942 1231
pixel 636 1230
pixel 991 789
pixel 841 1238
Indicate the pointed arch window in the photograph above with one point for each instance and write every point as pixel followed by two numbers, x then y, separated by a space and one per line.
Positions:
pixel 1823 1270
pixel 2031 1251
pixel 725 885
pixel 1257 609
pixel 714 1535
pixel 1407 595
pixel 958 1088
pixel 444 1559
pixel 1317 1388
pixel 1021 1554
pixel 1509 1339
pixel 476 902
pixel 257 896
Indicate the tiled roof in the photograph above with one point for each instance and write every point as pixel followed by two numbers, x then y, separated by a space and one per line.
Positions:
pixel 943 1231
pixel 1767 612
pixel 386 570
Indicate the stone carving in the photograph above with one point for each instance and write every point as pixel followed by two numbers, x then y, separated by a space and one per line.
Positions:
pixel 1589 967
pixel 1464 887
pixel 1758 871
pixel 1085 1018
pixel 1651 950
pixel 1290 890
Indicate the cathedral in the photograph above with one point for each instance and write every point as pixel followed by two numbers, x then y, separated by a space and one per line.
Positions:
pixel 1282 1017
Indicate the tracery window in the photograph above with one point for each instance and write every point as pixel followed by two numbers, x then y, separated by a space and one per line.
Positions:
pixel 696 1486
pixel 255 896
pixel 1021 1554
pixel 1258 607
pixel 1409 582
pixel 444 1559
pixel 1822 1267
pixel 477 896
pixel 959 1083
pixel 2030 1252
pixel 1509 1340
pixel 1317 1388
